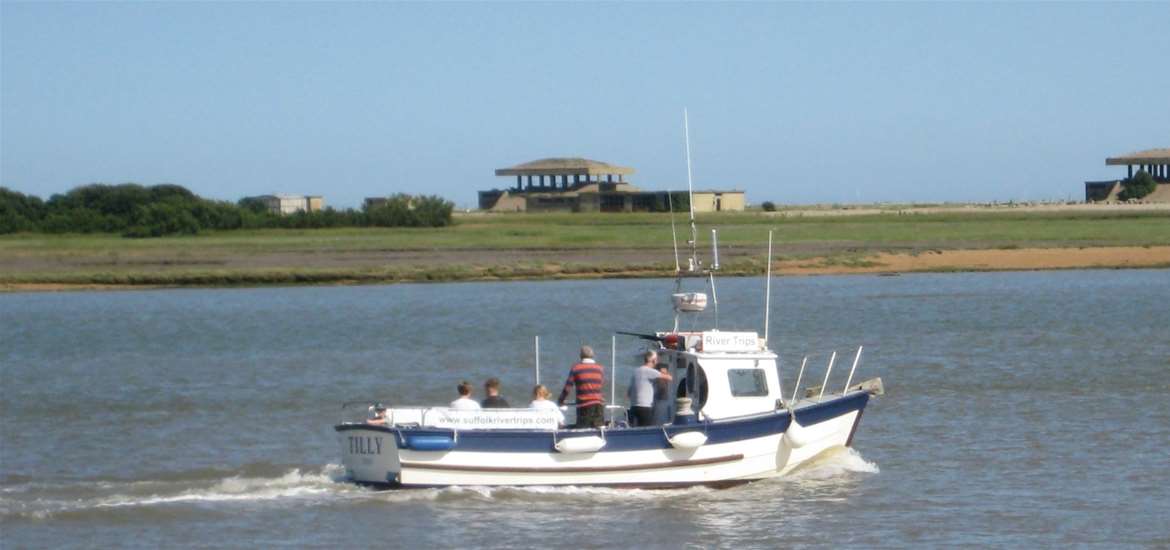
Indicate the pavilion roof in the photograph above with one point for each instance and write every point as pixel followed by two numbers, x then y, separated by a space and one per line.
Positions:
pixel 1149 156
pixel 564 166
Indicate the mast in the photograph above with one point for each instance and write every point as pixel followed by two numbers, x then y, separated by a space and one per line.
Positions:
pixel 694 260
pixel 673 233
pixel 691 302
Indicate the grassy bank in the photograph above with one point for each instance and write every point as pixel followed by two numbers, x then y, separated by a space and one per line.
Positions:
pixel 517 246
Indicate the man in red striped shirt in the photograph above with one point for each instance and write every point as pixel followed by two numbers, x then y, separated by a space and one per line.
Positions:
pixel 588 378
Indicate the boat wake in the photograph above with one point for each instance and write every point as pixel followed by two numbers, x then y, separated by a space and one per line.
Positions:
pixel 38 500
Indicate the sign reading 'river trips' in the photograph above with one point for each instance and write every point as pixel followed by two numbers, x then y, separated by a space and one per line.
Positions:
pixel 731 341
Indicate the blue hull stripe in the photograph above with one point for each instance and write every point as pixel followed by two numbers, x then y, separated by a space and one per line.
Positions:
pixel 626 439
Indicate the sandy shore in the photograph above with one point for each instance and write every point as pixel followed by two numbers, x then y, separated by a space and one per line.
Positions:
pixel 982 208
pixel 1024 259
pixel 578 266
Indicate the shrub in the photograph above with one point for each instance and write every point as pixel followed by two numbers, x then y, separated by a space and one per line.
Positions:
pixel 769 206
pixel 1140 185
pixel 406 211
pixel 433 211
pixel 162 218
pixel 19 212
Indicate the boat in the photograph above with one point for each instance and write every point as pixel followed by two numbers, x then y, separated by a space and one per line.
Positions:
pixel 731 422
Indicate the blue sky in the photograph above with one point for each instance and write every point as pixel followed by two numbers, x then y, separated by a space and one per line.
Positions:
pixel 794 103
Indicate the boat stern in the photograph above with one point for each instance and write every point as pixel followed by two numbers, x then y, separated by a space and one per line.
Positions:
pixel 369 454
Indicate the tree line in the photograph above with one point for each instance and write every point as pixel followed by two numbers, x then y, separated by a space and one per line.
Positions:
pixel 134 210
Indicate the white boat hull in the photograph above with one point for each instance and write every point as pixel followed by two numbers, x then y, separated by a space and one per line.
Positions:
pixel 383 456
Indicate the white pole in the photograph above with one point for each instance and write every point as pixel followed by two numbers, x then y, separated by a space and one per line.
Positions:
pixel 856 358
pixel 673 234
pixel 832 360
pixel 690 186
pixel 691 196
pixel 538 360
pixel 780 376
pixel 796 388
pixel 768 289
pixel 715 249
pixel 613 370
pixel 714 297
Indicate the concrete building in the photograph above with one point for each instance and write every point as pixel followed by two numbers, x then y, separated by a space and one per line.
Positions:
pixel 1155 162
pixel 718 201
pixel 584 185
pixel 289 204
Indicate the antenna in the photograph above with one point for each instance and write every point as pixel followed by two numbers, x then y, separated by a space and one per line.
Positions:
pixel 690 194
pixel 768 289
pixel 673 234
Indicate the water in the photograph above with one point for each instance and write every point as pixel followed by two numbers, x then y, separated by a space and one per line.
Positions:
pixel 1022 409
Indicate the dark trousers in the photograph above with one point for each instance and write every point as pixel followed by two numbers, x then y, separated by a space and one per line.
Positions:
pixel 641 416
pixel 590 416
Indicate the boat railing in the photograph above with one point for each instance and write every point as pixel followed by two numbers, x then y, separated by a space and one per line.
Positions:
pixel 817 393
pixel 446 417
pixel 617 416
pixel 357 412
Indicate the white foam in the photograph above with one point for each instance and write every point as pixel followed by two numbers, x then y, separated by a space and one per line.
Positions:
pixel 835 463
pixel 293 484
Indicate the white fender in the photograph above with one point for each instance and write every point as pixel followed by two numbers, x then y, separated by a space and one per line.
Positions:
pixel 688 440
pixel 797 435
pixel 588 444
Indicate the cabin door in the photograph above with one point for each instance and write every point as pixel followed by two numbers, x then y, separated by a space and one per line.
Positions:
pixel 693 384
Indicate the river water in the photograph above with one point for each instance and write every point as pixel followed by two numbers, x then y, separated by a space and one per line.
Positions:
pixel 1021 409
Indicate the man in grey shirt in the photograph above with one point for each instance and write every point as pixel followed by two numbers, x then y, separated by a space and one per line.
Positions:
pixel 641 390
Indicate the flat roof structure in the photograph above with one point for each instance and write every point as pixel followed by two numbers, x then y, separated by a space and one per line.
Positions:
pixel 572 166
pixel 1149 156
pixel 1156 162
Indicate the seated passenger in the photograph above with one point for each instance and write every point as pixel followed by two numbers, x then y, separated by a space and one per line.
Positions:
pixel 465 402
pixel 378 415
pixel 493 399
pixel 540 402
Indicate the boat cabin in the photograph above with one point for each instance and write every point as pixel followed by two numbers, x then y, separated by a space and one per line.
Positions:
pixel 726 374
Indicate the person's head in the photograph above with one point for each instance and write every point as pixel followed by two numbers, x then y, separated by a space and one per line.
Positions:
pixel 464 389
pixel 492 386
pixel 540 393
pixel 650 357
pixel 586 352
pixel 379 410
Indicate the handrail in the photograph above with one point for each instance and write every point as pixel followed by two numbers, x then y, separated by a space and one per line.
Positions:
pixel 366 402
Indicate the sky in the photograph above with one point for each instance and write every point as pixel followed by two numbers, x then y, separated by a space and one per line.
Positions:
pixel 793 103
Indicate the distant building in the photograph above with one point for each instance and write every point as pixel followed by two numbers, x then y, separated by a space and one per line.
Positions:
pixel 374 202
pixel 1155 162
pixel 584 185
pixel 289 204
pixel 718 201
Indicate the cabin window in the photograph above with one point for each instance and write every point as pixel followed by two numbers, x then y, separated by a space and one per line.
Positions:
pixel 748 382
